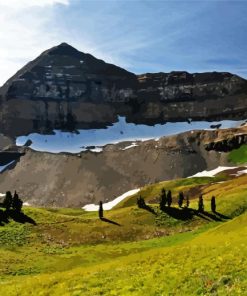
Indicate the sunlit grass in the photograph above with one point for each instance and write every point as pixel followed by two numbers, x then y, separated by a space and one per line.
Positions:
pixel 72 252
pixel 238 156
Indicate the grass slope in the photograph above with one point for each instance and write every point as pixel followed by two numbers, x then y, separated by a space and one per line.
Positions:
pixel 72 252
pixel 238 156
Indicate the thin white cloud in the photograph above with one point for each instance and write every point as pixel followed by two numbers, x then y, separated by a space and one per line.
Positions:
pixel 17 4
pixel 26 31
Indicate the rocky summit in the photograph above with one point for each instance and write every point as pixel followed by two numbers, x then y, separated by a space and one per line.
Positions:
pixel 67 89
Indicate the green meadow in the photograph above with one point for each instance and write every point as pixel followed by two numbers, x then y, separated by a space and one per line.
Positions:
pixel 238 156
pixel 73 252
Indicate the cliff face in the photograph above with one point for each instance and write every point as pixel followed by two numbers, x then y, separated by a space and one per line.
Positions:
pixel 67 89
pixel 178 86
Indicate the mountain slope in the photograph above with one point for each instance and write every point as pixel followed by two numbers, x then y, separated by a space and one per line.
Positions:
pixel 73 180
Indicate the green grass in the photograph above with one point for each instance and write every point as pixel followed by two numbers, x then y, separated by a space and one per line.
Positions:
pixel 212 263
pixel 72 252
pixel 238 156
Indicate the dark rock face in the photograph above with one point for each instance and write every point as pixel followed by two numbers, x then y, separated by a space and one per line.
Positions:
pixel 178 86
pixel 66 89
pixel 228 144
pixel 64 73
pixel 9 156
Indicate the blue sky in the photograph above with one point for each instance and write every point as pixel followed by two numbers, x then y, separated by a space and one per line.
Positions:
pixel 141 36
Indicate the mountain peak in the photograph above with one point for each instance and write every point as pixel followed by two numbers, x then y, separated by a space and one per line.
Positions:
pixel 64 44
pixel 63 49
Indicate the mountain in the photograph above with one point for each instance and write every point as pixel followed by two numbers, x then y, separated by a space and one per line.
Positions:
pixel 64 88
pixel 64 73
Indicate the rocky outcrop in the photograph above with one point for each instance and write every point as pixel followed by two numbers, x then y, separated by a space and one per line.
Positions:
pixel 66 89
pixel 5 142
pixel 227 144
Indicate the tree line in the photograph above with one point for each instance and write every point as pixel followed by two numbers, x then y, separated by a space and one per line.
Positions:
pixel 166 200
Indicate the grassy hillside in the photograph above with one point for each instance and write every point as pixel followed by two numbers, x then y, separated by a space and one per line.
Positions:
pixel 213 263
pixel 72 252
pixel 238 156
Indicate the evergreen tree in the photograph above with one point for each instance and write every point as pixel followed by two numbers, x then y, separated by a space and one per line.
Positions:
pixel 163 199
pixel 169 198
pixel 141 202
pixel 200 204
pixel 180 199
pixel 213 204
pixel 7 203
pixel 17 203
pixel 187 201
pixel 101 211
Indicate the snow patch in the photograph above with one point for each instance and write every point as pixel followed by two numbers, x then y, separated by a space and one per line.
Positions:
pixel 3 167
pixel 213 172
pixel 96 150
pixel 27 204
pixel 69 67
pixel 109 205
pixel 239 173
pixel 130 146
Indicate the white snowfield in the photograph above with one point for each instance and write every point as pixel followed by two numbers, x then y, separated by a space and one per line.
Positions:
pixel 120 131
pixel 109 205
pixel 213 172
